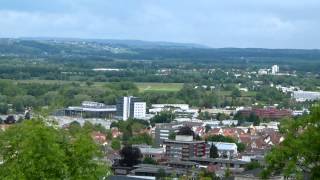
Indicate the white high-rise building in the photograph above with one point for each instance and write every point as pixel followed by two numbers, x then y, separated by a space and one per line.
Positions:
pixel 131 107
pixel 275 69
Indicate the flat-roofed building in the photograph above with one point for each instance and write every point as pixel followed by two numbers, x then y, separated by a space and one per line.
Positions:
pixel 184 148
pixel 301 96
pixel 163 131
pixel 268 113
pixel 151 152
pixel 225 150
pixel 89 109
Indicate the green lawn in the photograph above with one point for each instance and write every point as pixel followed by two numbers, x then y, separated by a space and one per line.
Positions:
pixel 143 87
pixel 167 87
pixel 159 87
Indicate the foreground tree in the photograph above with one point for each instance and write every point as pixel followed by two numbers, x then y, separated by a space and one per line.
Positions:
pixel 186 131
pixel 300 151
pixel 34 150
pixel 214 151
pixel 130 156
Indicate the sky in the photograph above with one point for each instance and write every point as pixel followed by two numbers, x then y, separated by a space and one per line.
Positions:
pixel 215 23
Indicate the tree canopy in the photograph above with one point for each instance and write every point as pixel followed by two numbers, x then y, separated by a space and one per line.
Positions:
pixel 130 156
pixel 34 150
pixel 299 152
pixel 186 131
pixel 214 151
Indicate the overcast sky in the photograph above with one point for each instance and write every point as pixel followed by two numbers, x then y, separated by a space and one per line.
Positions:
pixel 216 23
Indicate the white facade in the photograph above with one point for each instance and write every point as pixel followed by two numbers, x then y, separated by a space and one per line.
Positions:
pixel 275 69
pixel 226 149
pixel 180 106
pixel 126 108
pixel 131 107
pixel 263 71
pixel 139 109
pixel 302 96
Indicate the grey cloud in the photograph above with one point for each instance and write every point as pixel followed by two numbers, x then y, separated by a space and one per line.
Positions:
pixel 227 23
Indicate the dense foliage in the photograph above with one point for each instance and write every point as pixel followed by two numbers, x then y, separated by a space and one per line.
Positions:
pixel 34 150
pixel 130 156
pixel 298 154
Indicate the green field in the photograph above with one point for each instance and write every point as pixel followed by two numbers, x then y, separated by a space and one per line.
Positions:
pixel 143 87
pixel 159 86
pixel 166 87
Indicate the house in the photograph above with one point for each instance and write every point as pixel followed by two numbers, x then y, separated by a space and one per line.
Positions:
pixel 149 151
pixel 115 132
pixel 98 137
pixel 225 150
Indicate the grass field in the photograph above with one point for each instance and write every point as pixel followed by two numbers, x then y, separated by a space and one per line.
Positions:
pixel 159 86
pixel 143 87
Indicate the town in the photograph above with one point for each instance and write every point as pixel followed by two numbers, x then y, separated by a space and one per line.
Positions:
pixel 143 140
pixel 159 90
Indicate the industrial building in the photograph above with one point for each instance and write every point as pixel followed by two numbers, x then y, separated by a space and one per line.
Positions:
pixel 89 109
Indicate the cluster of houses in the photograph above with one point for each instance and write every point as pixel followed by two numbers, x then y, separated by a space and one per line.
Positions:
pixel 185 153
pixel 182 154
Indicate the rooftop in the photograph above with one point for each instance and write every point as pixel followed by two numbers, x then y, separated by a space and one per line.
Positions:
pixel 219 160
pixel 224 145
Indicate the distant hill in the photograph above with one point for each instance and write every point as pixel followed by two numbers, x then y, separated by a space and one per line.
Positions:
pixel 124 43
pixel 144 50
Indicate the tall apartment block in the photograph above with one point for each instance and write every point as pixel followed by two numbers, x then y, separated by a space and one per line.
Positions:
pixel 184 148
pixel 131 107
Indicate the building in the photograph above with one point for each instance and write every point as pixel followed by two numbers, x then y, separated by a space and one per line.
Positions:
pixel 216 111
pixel 235 165
pixel 163 131
pixel 98 137
pixel 302 96
pixel 216 123
pixel 267 113
pixel 89 109
pixel 151 152
pixel 153 170
pixel 274 69
pixel 184 148
pixel 180 110
pixel 263 71
pixel 225 150
pixel 161 107
pixel 131 107
pixel 64 121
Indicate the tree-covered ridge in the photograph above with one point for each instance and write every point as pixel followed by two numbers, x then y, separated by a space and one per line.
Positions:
pixel 129 49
